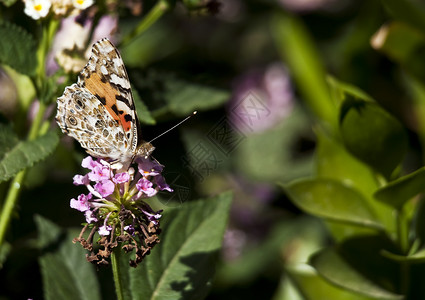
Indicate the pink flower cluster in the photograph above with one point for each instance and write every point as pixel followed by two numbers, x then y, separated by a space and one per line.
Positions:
pixel 110 191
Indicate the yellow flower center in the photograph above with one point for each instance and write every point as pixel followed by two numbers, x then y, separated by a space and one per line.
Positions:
pixel 80 2
pixel 38 7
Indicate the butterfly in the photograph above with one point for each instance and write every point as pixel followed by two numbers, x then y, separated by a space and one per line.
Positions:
pixel 99 111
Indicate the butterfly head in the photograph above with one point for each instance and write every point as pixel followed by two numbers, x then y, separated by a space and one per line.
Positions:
pixel 144 149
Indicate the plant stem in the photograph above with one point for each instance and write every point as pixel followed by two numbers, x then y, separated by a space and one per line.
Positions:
pixel 116 274
pixel 154 14
pixel 16 184
pixel 403 241
pixel 9 204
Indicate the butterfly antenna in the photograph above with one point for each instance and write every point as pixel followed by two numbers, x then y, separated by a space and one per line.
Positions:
pixel 178 124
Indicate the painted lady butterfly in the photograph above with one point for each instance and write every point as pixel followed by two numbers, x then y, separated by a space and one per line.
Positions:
pixel 99 112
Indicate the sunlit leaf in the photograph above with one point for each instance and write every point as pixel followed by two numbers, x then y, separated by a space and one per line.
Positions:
pixel 337 271
pixel 314 287
pixel 332 200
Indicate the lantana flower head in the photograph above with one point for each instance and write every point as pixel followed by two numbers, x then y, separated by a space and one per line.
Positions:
pixel 37 9
pixel 115 208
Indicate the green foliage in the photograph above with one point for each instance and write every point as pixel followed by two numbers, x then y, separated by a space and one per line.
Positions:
pixel 397 192
pixel 8 2
pixel 143 113
pixel 315 287
pixel 65 271
pixel 17 48
pixel 182 265
pixel 25 153
pixel 183 97
pixel 373 135
pixel 296 46
pixel 347 275
pixel 332 200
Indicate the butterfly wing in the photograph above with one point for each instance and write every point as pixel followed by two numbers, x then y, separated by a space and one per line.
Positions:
pixel 83 117
pixel 105 77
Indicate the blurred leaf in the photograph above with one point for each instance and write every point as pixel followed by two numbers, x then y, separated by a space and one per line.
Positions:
pixel 314 287
pixel 26 153
pixel 8 139
pixel 397 192
pixel 335 162
pixel 143 113
pixel 184 97
pixel 398 40
pixel 17 48
pixel 5 249
pixel 372 135
pixel 65 270
pixel 418 257
pixel 274 154
pixel 287 290
pixel 416 89
pixel 339 91
pixel 299 52
pixel 332 200
pixel 410 12
pixel 8 2
pixel 295 239
pixel 182 265
pixel 418 223
pixel 404 45
pixel 340 273
pixel 154 44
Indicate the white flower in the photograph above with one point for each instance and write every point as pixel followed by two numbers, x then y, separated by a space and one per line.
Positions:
pixel 82 4
pixel 37 9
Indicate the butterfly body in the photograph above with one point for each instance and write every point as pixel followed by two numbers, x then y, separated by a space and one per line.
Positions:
pixel 99 111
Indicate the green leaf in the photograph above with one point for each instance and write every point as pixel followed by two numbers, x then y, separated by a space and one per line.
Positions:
pixel 332 200
pixel 397 192
pixel 184 97
pixel 417 258
pixel 182 265
pixel 403 44
pixel 5 249
pixel 333 161
pixel 64 268
pixel 143 113
pixel 297 48
pixel 314 287
pixel 340 90
pixel 339 272
pixel 8 139
pixel 156 43
pixel 372 135
pixel 407 11
pixel 17 48
pixel 26 153
pixel 8 2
